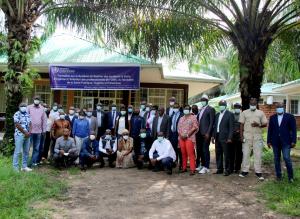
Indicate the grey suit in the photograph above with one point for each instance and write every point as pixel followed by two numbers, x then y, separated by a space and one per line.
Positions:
pixel 164 126
pixel 206 123
pixel 225 133
pixel 93 124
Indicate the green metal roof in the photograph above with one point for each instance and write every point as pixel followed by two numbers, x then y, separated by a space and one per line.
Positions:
pixel 64 48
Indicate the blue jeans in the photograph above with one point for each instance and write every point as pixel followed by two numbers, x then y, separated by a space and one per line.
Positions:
pixel 21 144
pixel 41 147
pixel 36 142
pixel 286 150
pixel 165 163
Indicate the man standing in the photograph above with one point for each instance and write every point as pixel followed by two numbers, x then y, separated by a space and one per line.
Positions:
pixel 222 137
pixel 252 121
pixel 162 154
pixel 143 108
pixel 174 133
pixel 65 151
pixel 38 127
pixel 22 138
pixel 282 136
pixel 101 120
pixel 108 148
pixel 54 114
pixel 206 118
pixel 236 152
pixel 130 112
pixel 111 117
pixel 169 111
pixel 136 124
pixel 92 120
pixel 71 117
pixel 161 123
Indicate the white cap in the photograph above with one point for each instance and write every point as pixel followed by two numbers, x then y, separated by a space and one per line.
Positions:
pixel 204 96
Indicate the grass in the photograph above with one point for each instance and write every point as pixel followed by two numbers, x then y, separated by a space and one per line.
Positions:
pixel 298 135
pixel 283 197
pixel 19 192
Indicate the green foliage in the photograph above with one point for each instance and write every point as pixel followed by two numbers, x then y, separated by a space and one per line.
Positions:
pixel 7 147
pixel 283 197
pixel 20 191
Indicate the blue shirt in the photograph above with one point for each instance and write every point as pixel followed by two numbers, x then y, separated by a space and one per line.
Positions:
pixel 81 128
pixel 24 120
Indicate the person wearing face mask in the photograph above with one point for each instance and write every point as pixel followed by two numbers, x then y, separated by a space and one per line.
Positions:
pixel 81 130
pixel 108 148
pixel 136 124
pixel 236 152
pixel 162 154
pixel 93 122
pixel 89 153
pixel 206 119
pixel 130 112
pixel 122 122
pixel 282 137
pixel 101 120
pixel 47 140
pixel 54 114
pixel 141 150
pixel 252 121
pixel 187 128
pixel 169 111
pixel 71 117
pixel 38 128
pixel 124 153
pixel 149 121
pixel 65 151
pixel 143 108
pixel 222 138
pixel 111 117
pixel 60 108
pixel 195 110
pixel 174 133
pixel 22 122
pixel 161 123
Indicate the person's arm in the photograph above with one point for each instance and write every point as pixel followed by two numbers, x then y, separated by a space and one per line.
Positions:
pixel 231 127
pixel 73 148
pixel 211 121
pixel 195 127
pixel 87 128
pixel 101 149
pixel 270 132
pixel 44 122
pixel 293 128
pixel 97 149
pixel 264 121
pixel 120 146
pixel 53 129
pixel 115 146
pixel 85 145
pixel 56 148
pixel 152 150
pixel 168 127
pixel 242 122
pixel 74 127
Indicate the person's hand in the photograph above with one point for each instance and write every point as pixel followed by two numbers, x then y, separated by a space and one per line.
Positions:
pixel 27 134
pixel 153 161
pixel 213 140
pixel 229 141
pixel 206 137
pixel 183 136
pixel 269 145
pixel 141 157
pixel 293 145
pixel 255 124
pixel 62 152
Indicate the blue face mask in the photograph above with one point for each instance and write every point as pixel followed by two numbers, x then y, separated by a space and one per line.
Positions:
pixel 160 138
pixel 130 110
pixel 222 108
pixel 237 111
pixel 279 110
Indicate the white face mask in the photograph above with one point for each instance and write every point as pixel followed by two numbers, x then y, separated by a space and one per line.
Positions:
pixel 160 138
pixel 54 108
pixel 125 137
pixel 92 137
pixel 23 109
pixel 153 112
pixel 123 113
pixel 186 112
pixel 143 135
pixel 114 108
pixel 60 110
pixel 108 137
pixel 203 103
pixel 172 103
pixel 81 117
pixel 77 114
pixel 142 107
pixel 99 107
pixel 36 102
pixel 62 116
pixel 147 109
pixel 71 112
pixel 237 111
pixel 89 114
pixel 252 108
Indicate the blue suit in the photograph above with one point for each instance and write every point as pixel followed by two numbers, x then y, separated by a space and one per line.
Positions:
pixel 89 148
pixel 281 137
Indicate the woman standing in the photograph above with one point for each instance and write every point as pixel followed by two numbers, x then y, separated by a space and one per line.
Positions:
pixel 187 128
pixel 124 153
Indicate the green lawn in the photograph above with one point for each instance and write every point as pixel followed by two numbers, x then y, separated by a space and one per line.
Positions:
pixel 20 191
pixel 298 135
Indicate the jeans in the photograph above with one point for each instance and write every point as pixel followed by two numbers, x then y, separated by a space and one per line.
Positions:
pixel 41 147
pixel 21 144
pixel 35 140
pixel 46 145
pixel 286 150
pixel 203 153
pixel 174 141
pixel 165 163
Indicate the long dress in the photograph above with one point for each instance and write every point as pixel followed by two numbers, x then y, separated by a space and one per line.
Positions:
pixel 123 148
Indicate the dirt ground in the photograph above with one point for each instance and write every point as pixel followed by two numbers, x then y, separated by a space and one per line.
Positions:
pixel 114 193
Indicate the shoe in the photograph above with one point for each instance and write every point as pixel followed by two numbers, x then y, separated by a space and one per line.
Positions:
pixel 291 181
pixel 219 172
pixel 259 176
pixel 34 165
pixel 204 170
pixel 169 172
pixel 155 170
pixel 192 173
pixel 278 179
pixel 26 169
pixel 183 171
pixel 236 171
pixel 199 168
pixel 101 165
pixel 243 174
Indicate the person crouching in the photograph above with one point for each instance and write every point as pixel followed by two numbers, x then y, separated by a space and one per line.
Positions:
pixel 108 148
pixel 89 153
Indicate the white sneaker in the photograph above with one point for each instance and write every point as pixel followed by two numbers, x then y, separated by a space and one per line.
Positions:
pixel 199 168
pixel 204 170
pixel 26 169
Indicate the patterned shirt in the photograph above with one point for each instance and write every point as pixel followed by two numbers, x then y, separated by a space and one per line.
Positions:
pixel 24 120
pixel 186 124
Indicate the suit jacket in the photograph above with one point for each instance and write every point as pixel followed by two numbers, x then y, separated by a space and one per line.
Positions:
pixel 94 124
pixel 103 118
pixel 177 121
pixel 126 123
pixel 226 127
pixel 285 134
pixel 164 127
pixel 71 121
pixel 207 121
pixel 110 119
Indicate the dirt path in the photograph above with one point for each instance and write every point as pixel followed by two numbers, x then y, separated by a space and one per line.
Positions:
pixel 114 193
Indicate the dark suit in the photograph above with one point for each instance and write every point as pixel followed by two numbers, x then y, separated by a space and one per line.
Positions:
pixel 118 122
pixel 224 134
pixel 173 136
pixel 101 126
pixel 281 137
pixel 236 156
pixel 71 121
pixel 112 120
pixel 206 124
pixel 164 126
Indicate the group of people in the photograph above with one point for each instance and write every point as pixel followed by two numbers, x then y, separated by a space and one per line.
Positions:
pixel 162 139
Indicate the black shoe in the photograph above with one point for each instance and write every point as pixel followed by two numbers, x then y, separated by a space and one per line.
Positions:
pixel 243 174
pixel 183 171
pixel 82 168
pixel 278 179
pixel 111 166
pixel 259 176
pixel 101 165
pixel 291 180
pixel 169 172
pixel 156 170
pixel 227 173
pixel 219 172
pixel 192 173
pixel 236 171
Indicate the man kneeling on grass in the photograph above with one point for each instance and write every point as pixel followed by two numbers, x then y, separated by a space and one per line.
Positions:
pixel 65 151
pixel 89 153
pixel 162 154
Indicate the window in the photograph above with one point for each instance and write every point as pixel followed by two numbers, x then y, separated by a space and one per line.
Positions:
pixel 294 106
pixel 64 98
pixel 44 92
pixel 2 98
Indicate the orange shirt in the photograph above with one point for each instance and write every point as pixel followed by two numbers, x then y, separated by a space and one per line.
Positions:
pixel 58 127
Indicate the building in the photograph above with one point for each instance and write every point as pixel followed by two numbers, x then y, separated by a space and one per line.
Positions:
pixel 272 93
pixel 157 83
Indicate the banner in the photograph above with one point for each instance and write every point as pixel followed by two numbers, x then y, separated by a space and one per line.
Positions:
pixel 94 77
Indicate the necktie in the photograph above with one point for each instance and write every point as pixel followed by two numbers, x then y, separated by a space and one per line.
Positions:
pixel 113 117
pixel 174 123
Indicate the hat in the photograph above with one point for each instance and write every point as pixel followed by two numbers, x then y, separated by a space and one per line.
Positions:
pixel 237 105
pixel 223 102
pixel 204 96
pixel 92 133
pixel 125 131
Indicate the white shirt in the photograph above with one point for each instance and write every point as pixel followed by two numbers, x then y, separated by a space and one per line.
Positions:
pixel 99 119
pixel 142 113
pixel 164 149
pixel 159 121
pixel 54 115
pixel 219 120
pixel 171 111
pixel 49 124
pixel 71 117
pixel 121 125
pixel 279 117
pixel 107 146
